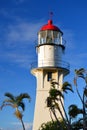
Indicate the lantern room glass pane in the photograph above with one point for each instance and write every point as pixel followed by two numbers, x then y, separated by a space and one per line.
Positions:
pixel 49 36
pixel 55 34
pixel 43 34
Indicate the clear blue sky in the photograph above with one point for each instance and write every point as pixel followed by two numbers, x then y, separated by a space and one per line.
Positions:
pixel 20 20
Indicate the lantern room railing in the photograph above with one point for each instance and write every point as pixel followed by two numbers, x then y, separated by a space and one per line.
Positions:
pixel 48 63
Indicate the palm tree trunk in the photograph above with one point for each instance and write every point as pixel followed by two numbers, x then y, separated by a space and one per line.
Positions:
pixel 84 114
pixel 64 110
pixel 58 122
pixel 51 115
pixel 69 124
pixel 23 124
pixel 79 95
pixel 59 110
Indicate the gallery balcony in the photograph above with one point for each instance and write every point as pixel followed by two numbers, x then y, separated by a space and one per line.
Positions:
pixel 57 64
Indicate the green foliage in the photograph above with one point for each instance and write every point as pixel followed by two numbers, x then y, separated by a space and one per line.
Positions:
pixel 54 100
pixel 52 126
pixel 77 125
pixel 54 93
pixel 67 86
pixel 72 120
pixel 74 111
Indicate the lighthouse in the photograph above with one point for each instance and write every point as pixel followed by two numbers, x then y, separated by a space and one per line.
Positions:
pixel 49 65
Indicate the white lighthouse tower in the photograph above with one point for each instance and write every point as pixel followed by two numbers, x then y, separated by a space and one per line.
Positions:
pixel 50 65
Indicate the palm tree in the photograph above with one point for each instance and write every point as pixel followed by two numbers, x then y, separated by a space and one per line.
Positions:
pixel 16 102
pixel 55 99
pixel 82 73
pixel 73 112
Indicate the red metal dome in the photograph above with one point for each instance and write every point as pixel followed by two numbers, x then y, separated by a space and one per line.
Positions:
pixel 50 26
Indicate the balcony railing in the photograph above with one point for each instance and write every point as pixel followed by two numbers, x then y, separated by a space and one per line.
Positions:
pixel 48 63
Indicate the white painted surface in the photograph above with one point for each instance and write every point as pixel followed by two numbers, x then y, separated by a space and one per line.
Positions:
pixel 49 55
pixel 42 114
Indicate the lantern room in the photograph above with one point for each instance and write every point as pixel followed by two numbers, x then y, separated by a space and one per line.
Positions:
pixel 49 33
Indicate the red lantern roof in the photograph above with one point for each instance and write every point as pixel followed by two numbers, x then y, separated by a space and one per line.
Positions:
pixel 50 26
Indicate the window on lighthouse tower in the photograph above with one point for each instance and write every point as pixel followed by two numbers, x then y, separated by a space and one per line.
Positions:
pixel 49 76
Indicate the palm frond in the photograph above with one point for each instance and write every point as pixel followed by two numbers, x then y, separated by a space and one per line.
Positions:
pixel 6 104
pixel 80 73
pixel 53 83
pixel 22 105
pixel 23 96
pixel 54 93
pixel 74 111
pixel 10 96
pixel 67 86
pixel 8 101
